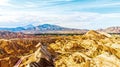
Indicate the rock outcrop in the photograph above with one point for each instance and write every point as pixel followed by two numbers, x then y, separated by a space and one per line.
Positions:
pixel 93 49
pixel 90 50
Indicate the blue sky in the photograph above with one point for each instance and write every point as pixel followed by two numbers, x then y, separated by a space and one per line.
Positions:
pixel 87 14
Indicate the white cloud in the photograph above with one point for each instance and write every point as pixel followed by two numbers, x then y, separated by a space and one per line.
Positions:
pixel 5 3
pixel 74 20
pixel 111 4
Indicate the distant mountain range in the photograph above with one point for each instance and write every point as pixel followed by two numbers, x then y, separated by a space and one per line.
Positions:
pixel 54 29
pixel 115 29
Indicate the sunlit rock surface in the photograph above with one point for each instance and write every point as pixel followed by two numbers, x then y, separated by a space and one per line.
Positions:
pixel 93 49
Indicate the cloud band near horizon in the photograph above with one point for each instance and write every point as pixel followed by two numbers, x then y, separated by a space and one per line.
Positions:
pixel 81 14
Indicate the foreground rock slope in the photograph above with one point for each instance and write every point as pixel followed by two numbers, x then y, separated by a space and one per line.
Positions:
pixel 93 49
pixel 90 50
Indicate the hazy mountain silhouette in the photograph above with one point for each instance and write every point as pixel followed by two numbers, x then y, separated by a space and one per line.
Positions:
pixel 49 28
